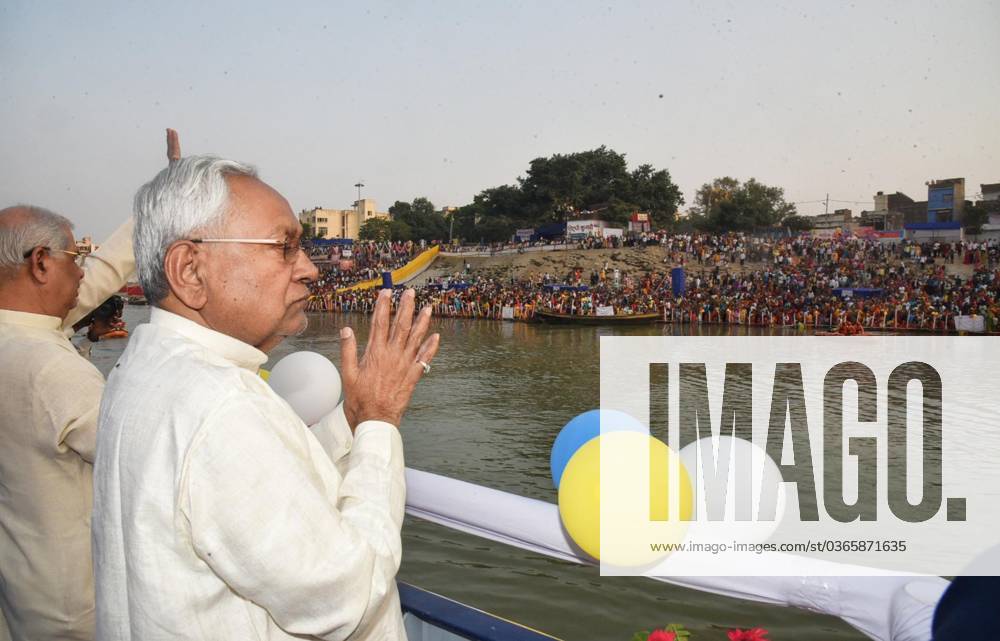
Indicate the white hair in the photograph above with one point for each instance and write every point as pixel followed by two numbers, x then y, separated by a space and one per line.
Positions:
pixel 188 197
pixel 24 227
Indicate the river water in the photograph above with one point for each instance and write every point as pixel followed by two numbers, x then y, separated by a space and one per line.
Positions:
pixel 488 413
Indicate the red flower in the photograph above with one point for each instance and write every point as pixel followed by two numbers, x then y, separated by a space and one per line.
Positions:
pixel 661 635
pixel 756 634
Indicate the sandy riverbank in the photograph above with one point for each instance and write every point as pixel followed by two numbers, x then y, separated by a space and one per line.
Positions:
pixel 558 264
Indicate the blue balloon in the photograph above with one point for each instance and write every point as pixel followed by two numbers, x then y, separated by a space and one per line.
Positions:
pixel 581 429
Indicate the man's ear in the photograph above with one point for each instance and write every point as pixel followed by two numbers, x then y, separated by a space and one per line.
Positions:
pixel 184 268
pixel 39 266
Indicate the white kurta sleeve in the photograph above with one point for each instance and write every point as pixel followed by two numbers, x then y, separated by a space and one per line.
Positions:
pixel 271 515
pixel 334 433
pixel 104 273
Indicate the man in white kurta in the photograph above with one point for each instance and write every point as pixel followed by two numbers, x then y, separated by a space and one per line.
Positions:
pixel 240 516
pixel 49 397
pixel 218 514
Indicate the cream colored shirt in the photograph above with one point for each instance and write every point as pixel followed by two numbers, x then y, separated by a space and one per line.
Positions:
pixel 49 397
pixel 219 515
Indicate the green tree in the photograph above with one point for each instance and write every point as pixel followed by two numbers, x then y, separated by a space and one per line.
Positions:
pixel 505 200
pixel 379 229
pixel 554 189
pixel 400 210
pixel 400 231
pixel 654 192
pixel 421 218
pixel 975 216
pixel 494 229
pixel 599 179
pixel 798 223
pixel 725 204
pixel 713 193
pixel 307 230
pixel 564 185
pixel 465 222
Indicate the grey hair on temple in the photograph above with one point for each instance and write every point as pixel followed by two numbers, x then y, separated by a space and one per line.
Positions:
pixel 24 227
pixel 190 196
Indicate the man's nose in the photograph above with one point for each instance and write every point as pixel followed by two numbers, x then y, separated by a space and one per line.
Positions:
pixel 306 270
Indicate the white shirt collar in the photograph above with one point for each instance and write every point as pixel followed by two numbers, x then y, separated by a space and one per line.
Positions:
pixel 27 319
pixel 232 349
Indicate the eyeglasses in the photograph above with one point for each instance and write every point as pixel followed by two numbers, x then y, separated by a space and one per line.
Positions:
pixel 78 257
pixel 289 248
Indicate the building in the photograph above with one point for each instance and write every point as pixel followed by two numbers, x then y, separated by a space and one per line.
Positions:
pixel 640 222
pixel 892 212
pixel 340 223
pixel 882 220
pixel 945 203
pixel 85 245
pixel 913 211
pixel 841 219
pixel 945 200
pixel 888 208
pixel 991 202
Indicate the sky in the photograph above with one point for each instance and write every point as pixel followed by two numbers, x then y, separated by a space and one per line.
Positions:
pixel 445 99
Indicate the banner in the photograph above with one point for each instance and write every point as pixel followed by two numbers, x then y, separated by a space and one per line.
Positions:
pixel 975 323
pixel 875 452
pixel 507 313
pixel 605 310
pixel 577 228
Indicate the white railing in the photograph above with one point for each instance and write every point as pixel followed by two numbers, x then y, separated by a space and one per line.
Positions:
pixel 884 606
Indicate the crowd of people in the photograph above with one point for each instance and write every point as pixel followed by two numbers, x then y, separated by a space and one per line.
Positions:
pixel 364 260
pixel 738 279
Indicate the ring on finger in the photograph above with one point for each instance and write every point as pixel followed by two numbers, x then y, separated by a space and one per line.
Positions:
pixel 426 366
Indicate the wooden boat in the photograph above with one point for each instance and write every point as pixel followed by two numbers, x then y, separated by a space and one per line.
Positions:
pixel 549 316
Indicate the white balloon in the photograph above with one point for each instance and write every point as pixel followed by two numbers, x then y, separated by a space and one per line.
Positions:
pixel 729 529
pixel 308 382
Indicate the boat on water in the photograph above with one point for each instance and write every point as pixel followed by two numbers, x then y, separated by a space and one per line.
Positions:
pixel 550 316
pixel 431 617
pixel 134 294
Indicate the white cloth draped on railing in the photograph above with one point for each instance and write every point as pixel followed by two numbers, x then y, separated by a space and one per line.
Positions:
pixel 886 608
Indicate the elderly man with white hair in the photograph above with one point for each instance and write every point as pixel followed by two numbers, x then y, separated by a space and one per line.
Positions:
pixel 218 514
pixel 48 420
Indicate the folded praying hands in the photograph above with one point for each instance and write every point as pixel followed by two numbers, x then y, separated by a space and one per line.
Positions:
pixel 380 386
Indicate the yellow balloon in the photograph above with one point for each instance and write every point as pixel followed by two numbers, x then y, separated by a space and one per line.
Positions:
pixel 636 497
pixel 580 497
